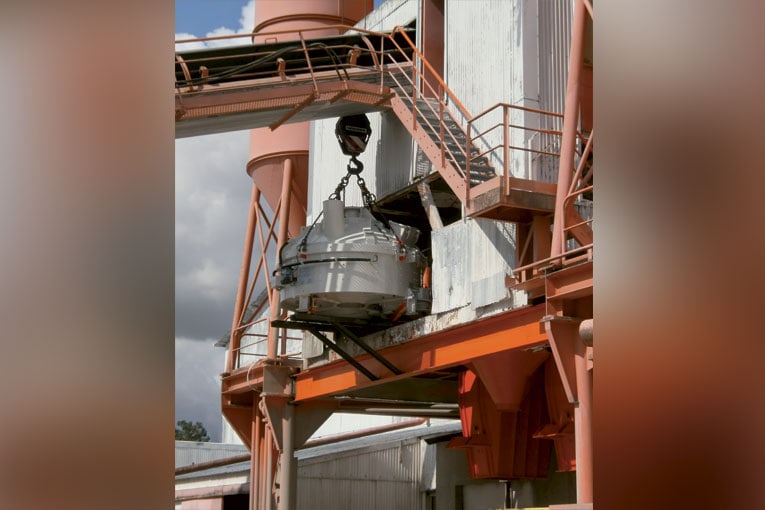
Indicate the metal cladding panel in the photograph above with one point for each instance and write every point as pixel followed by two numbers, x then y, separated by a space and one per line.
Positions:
pixel 554 46
pixel 479 56
pixel 394 156
pixel 451 284
pixel 190 452
pixel 492 252
pixel 394 146
pixel 328 164
pixel 379 477
pixel 497 63
pixel 387 161
pixel 470 261
pixel 479 63
pixel 389 14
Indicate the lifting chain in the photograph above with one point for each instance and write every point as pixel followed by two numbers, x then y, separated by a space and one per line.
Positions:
pixel 354 168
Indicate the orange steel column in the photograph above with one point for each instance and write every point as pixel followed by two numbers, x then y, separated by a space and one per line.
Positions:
pixel 583 425
pixel 570 123
pixel 269 465
pixel 255 449
pixel 244 275
pixel 284 214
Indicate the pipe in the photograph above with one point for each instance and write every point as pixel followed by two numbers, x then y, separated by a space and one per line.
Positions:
pixel 570 121
pixel 583 426
pixel 244 275
pixel 398 312
pixel 363 433
pixel 288 482
pixel 256 435
pixel 284 218
pixel 201 466
pixel 269 483
pixel 426 277
pixel 431 211
pixel 585 332
pixel 210 492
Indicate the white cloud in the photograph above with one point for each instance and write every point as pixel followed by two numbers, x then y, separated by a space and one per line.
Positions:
pixel 247 21
pixel 246 24
pixel 212 192
pixel 205 280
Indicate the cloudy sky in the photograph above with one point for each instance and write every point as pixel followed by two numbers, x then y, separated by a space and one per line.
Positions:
pixel 212 192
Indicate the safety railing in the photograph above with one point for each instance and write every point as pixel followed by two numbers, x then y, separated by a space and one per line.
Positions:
pixel 497 133
pixel 306 55
pixel 253 321
pixel 429 103
pixel 581 186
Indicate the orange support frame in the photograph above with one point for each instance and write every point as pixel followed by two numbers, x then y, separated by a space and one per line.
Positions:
pixel 519 329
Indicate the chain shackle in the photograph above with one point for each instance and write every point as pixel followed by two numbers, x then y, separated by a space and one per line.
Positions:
pixel 368 197
pixel 355 166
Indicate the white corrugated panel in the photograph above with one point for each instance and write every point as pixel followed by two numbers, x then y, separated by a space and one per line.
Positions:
pixel 394 156
pixel 450 269
pixel 379 477
pixel 470 262
pixel 190 452
pixel 328 164
pixel 554 45
pixel 492 254
pixel 492 57
pixel 389 14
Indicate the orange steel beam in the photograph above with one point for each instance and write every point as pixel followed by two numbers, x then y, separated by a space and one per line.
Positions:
pixel 570 283
pixel 250 94
pixel 511 330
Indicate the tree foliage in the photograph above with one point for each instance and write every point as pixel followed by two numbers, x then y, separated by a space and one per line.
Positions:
pixel 191 431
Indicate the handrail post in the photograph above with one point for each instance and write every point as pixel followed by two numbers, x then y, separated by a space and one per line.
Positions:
pixel 506 147
pixel 468 148
pixel 308 61
pixel 441 125
pixel 382 62
pixel 414 95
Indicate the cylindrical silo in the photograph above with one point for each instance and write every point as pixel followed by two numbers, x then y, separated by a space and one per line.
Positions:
pixel 269 150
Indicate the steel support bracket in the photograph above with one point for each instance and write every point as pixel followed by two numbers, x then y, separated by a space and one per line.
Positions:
pixel 563 334
pixel 316 328
pixel 278 391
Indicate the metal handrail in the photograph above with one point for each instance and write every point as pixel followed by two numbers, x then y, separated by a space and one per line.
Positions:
pixel 586 249
pixel 442 125
pixel 506 126
pixel 422 58
pixel 442 112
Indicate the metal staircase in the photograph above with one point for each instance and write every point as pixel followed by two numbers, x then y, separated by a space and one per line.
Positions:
pixel 360 71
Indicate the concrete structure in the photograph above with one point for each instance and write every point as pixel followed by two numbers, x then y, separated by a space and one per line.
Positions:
pixel 483 140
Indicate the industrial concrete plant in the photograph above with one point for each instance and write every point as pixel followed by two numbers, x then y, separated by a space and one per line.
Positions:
pixel 419 245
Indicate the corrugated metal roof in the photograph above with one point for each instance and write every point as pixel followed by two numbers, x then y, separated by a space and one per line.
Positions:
pixel 384 471
pixel 191 452
pixel 423 432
